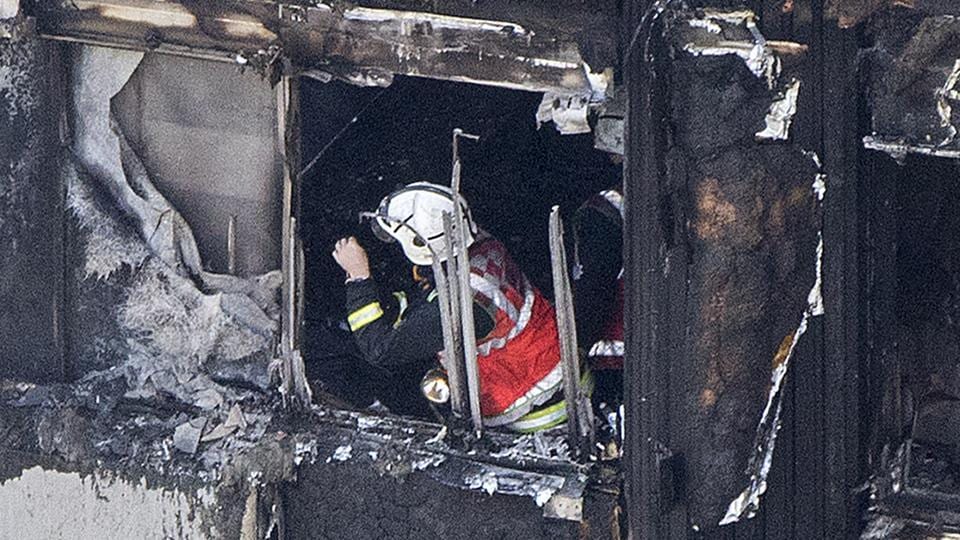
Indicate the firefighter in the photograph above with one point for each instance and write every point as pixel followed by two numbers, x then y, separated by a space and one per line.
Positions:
pixel 598 290
pixel 517 343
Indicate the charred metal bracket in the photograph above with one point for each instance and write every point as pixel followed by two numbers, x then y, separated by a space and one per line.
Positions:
pixel 711 32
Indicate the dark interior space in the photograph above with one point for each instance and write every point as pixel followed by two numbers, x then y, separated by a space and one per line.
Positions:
pixel 374 140
pixel 917 396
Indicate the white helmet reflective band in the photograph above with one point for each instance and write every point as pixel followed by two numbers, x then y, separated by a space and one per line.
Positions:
pixel 413 216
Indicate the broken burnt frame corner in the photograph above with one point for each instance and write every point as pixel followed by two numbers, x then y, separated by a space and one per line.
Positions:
pixel 688 150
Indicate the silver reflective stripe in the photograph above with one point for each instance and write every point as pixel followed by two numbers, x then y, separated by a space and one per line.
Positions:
pixel 615 198
pixel 606 347
pixel 500 300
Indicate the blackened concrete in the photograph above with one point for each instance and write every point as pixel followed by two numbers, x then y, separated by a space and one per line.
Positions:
pixel 31 205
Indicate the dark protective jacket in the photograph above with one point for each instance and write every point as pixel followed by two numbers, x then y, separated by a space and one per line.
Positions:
pixel 517 343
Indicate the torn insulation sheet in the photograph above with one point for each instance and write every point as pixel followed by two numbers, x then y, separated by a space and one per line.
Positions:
pixel 745 505
pixel 945 96
pixel 781 114
pixel 180 327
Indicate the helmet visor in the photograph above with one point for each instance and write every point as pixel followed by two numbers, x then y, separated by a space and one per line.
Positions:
pixel 380 232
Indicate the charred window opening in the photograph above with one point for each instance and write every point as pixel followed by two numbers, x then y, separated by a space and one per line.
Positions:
pixel 915 344
pixel 375 140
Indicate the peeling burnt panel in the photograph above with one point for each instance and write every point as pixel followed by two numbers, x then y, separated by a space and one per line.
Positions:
pixel 401 480
pixel 594 26
pixel 912 72
pixel 31 258
pixel 741 246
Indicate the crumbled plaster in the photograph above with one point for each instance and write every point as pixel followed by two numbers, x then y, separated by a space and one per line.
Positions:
pixel 51 504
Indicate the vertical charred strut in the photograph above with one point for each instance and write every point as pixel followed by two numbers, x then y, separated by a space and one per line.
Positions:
pixel 579 423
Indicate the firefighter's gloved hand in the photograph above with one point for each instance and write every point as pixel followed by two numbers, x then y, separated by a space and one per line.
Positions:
pixel 351 256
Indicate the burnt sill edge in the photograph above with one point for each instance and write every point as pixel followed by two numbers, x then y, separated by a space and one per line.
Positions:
pixel 393 446
pixel 899 495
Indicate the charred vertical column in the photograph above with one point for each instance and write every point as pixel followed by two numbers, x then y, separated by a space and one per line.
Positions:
pixel 721 260
pixel 645 373
pixel 293 380
pixel 31 254
pixel 844 462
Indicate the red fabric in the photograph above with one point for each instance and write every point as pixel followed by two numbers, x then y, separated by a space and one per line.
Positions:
pixel 507 374
pixel 511 370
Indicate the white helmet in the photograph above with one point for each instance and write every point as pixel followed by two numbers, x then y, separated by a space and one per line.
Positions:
pixel 413 216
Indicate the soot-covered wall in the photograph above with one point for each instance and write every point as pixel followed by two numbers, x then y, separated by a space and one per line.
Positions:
pixel 31 252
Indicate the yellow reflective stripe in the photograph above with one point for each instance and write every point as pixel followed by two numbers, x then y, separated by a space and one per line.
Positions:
pixel 551 415
pixel 539 413
pixel 432 296
pixel 524 426
pixel 364 316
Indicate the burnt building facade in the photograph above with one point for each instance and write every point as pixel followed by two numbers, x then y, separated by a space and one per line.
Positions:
pixel 175 174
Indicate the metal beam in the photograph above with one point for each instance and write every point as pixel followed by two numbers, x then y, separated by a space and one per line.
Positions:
pixel 359 44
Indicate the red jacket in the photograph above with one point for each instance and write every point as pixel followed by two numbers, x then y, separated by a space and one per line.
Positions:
pixel 519 360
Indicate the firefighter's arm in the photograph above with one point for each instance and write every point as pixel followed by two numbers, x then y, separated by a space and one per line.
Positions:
pixel 392 343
